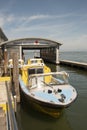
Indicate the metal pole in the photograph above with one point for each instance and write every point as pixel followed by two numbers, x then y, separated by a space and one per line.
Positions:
pixel 15 103
pixel 57 55
pixel 5 61
pixel 20 52
pixel 12 118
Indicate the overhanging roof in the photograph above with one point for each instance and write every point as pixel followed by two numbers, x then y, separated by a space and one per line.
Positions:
pixel 3 35
pixel 31 43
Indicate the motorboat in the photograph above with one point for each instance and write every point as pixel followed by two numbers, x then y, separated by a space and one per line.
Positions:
pixel 49 92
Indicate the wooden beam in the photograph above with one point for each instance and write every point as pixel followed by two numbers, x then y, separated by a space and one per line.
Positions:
pixel 16 75
pixel 5 61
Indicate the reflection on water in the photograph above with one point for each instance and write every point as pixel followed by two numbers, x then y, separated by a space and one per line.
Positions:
pixel 31 120
pixel 73 118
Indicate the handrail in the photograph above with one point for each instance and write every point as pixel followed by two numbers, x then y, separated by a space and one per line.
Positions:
pixel 62 79
pixel 12 119
pixel 48 74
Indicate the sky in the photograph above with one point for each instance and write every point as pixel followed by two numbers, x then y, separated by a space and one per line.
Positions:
pixel 64 21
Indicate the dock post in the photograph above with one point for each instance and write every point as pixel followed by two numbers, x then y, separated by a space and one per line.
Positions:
pixel 57 55
pixel 16 75
pixel 15 104
pixel 5 61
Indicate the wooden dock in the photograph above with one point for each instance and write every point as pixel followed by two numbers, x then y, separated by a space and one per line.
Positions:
pixel 3 100
pixel 7 106
pixel 75 64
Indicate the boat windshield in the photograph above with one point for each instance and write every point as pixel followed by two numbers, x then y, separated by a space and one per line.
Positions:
pixel 35 71
pixel 48 79
pixel 59 79
pixel 34 61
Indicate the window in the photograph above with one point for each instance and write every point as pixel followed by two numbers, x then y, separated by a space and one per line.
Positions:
pixel 35 71
pixel 31 71
pixel 39 70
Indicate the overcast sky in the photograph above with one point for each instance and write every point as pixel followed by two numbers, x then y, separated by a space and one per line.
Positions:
pixel 61 20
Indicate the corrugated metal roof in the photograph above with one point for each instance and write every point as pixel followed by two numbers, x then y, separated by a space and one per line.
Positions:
pixel 31 42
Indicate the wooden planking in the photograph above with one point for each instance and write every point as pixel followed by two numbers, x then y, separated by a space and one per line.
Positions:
pixel 3 100
pixel 2 120
pixel 3 94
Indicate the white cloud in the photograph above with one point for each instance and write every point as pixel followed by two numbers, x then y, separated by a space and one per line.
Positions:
pixel 82 38
pixel 1 21
pixel 10 18
pixel 34 17
pixel 75 44
pixel 6 19
pixel 56 27
pixel 24 20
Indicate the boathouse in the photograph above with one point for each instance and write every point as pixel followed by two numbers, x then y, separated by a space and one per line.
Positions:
pixel 2 39
pixel 2 36
pixel 49 49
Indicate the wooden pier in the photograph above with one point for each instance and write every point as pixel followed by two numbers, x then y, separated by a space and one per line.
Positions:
pixel 75 64
pixel 7 111
pixel 3 101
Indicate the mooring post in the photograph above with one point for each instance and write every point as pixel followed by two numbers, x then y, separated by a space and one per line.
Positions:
pixel 57 55
pixel 5 61
pixel 16 75
pixel 15 103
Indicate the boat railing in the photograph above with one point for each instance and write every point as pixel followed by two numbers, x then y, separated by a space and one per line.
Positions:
pixel 38 79
pixel 51 73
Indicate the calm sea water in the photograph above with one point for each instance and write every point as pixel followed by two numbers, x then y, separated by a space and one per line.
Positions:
pixel 73 117
pixel 80 56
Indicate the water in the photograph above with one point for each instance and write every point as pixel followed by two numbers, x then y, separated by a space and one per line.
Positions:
pixel 30 54
pixel 80 56
pixel 73 117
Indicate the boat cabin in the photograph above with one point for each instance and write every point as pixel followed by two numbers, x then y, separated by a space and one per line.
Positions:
pixel 37 61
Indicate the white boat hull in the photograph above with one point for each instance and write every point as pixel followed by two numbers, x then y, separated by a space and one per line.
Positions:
pixel 49 100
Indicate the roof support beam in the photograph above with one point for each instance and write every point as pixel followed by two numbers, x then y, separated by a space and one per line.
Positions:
pixel 57 55
pixel 20 52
